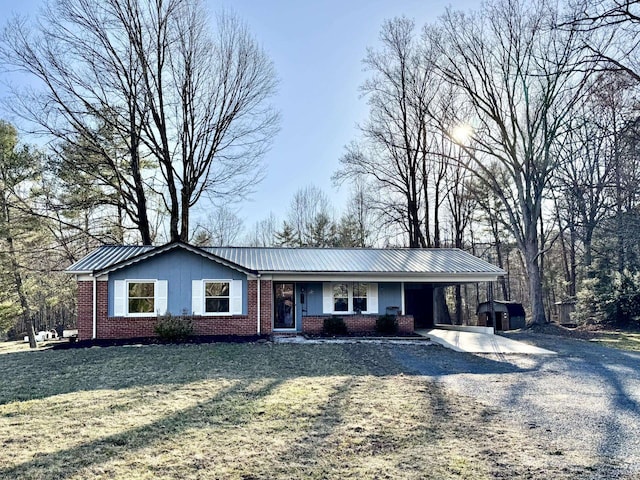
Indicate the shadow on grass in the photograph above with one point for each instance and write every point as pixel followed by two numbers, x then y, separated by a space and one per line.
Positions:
pixel 37 375
pixel 439 362
pixel 68 462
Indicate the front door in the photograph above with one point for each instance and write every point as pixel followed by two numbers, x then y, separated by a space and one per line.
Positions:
pixel 284 317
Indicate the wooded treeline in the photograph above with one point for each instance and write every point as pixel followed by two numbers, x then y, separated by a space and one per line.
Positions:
pixel 511 132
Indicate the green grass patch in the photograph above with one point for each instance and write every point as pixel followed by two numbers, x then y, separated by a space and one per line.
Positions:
pixel 247 411
pixel 621 340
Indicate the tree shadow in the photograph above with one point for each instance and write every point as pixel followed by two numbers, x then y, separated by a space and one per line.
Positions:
pixel 439 362
pixel 68 462
pixel 38 375
pixel 592 377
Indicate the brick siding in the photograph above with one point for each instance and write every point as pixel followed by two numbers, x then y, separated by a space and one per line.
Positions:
pixel 132 327
pixel 356 323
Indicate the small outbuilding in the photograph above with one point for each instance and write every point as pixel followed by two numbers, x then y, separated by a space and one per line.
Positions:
pixel 507 315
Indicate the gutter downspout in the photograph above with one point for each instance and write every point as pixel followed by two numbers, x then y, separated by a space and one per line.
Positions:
pixel 95 309
pixel 259 306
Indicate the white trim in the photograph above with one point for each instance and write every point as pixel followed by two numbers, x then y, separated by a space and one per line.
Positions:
pixel 402 312
pixel 204 312
pixel 94 330
pixel 168 247
pixel 258 302
pixel 196 297
pixel 349 310
pixel 383 278
pixel 126 298
pixel 88 277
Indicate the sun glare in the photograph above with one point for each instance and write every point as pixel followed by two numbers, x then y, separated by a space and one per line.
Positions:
pixel 462 133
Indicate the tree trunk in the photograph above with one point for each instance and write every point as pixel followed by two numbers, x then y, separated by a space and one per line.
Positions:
pixel 458 305
pixel 17 277
pixel 184 220
pixel 535 286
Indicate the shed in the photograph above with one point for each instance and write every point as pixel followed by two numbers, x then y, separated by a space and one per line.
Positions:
pixel 508 315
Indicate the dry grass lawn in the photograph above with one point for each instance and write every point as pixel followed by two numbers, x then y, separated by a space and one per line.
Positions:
pixel 621 340
pixel 248 411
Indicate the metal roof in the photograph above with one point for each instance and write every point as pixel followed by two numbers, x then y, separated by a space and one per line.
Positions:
pixel 355 260
pixel 105 256
pixel 310 260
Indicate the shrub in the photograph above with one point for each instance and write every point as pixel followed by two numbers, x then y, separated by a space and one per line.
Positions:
pixel 387 324
pixel 334 326
pixel 173 328
pixel 610 298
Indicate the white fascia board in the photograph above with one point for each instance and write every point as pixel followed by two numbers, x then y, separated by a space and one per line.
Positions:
pixel 394 277
pixel 88 277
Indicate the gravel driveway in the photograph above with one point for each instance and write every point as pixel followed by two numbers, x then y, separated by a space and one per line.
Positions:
pixel 585 400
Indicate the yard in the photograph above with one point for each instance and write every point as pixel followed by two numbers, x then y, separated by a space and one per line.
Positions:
pixel 260 411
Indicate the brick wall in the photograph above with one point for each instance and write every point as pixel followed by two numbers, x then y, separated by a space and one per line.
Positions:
pixel 356 323
pixel 131 327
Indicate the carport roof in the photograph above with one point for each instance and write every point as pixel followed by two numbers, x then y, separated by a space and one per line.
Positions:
pixel 445 261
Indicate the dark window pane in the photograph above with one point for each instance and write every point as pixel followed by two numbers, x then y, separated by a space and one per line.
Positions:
pixel 340 305
pixel 141 289
pixel 216 289
pixel 217 305
pixel 360 289
pixel 360 304
pixel 141 305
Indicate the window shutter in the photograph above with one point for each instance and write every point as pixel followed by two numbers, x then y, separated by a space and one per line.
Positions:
pixel 372 298
pixel 327 298
pixel 119 298
pixel 162 291
pixel 235 300
pixel 196 297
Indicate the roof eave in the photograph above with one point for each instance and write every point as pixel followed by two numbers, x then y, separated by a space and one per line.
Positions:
pixel 170 246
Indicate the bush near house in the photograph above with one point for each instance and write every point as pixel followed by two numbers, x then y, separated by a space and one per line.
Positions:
pixel 387 324
pixel 334 326
pixel 174 328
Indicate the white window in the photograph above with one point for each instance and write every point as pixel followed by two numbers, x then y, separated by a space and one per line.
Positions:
pixel 341 297
pixel 216 297
pixel 139 298
pixel 360 297
pixel 350 297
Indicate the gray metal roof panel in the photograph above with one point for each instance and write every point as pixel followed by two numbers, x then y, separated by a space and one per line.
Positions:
pixel 354 260
pixel 106 256
pixel 314 260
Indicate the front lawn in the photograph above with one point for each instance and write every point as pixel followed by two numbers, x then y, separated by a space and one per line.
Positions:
pixel 619 339
pixel 248 411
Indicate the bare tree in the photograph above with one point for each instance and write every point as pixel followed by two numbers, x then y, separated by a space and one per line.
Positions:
pixel 616 26
pixel 222 227
pixel 187 109
pixel 356 226
pixel 264 232
pixel 309 220
pixel 518 73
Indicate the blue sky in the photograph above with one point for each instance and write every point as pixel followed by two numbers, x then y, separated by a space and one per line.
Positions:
pixel 317 48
